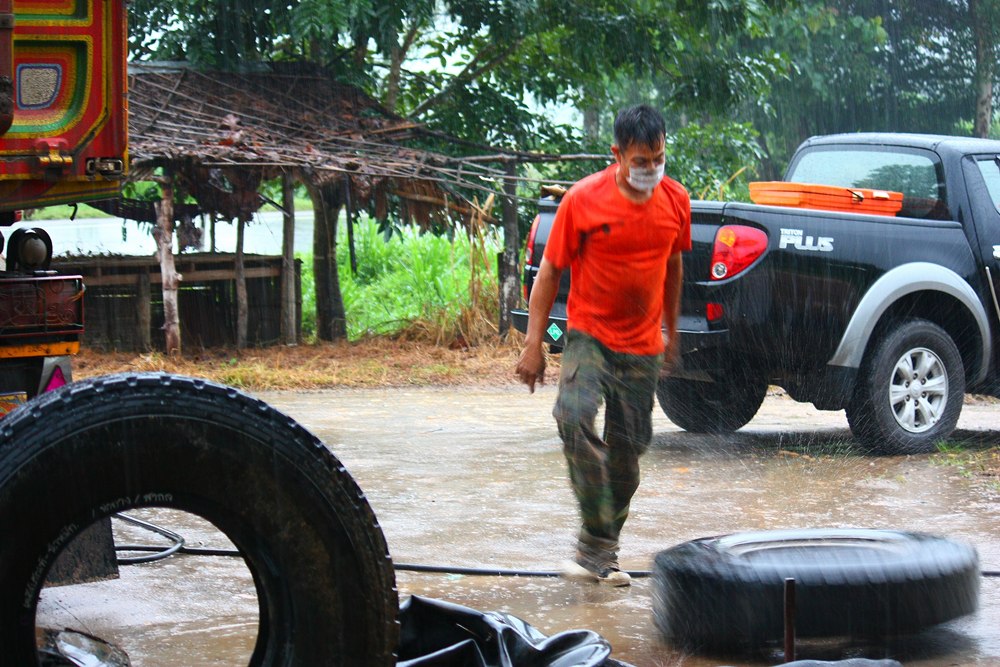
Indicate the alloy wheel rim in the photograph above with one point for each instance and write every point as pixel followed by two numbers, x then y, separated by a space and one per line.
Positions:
pixel 918 390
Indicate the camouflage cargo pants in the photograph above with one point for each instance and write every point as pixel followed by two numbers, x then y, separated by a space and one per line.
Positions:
pixel 604 471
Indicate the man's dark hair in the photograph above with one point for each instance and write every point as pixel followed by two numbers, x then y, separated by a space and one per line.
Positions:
pixel 639 124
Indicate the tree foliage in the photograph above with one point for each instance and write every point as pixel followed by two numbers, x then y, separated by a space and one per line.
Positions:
pixel 474 68
pixel 210 33
pixel 482 69
pixel 742 82
pixel 883 65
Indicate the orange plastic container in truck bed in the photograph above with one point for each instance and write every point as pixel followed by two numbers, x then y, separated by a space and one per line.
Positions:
pixel 826 197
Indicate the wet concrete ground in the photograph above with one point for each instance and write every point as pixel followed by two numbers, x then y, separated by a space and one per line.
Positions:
pixel 476 478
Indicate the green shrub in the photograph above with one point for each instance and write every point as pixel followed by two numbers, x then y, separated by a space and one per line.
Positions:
pixel 417 284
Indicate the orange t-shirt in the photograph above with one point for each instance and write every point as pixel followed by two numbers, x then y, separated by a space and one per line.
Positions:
pixel 617 253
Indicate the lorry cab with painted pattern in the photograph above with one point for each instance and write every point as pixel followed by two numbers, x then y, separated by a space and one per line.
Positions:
pixel 63 139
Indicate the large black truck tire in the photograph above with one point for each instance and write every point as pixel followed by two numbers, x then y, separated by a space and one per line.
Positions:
pixel 324 580
pixel 722 594
pixel 722 406
pixel 909 391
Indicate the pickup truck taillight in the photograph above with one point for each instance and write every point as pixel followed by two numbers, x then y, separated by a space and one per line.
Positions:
pixel 529 249
pixel 736 248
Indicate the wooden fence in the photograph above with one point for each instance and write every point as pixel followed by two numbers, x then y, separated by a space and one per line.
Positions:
pixel 123 303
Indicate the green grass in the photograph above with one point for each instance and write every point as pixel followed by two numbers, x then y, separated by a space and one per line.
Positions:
pixel 977 461
pixel 415 283
pixel 421 284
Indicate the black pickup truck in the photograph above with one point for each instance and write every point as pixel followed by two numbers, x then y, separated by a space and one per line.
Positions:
pixel 890 317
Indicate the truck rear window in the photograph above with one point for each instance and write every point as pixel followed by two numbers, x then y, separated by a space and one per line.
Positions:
pixel 990 169
pixel 916 174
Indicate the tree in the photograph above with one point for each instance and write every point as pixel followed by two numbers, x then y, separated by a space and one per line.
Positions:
pixel 714 62
pixel 222 34
pixel 835 78
pixel 492 59
pixel 930 65
pixel 858 65
pixel 164 235
pixel 984 16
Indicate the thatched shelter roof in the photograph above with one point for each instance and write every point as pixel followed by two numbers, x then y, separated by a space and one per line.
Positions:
pixel 224 132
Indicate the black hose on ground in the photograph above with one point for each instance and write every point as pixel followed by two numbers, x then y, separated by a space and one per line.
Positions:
pixel 494 572
pixel 177 546
pixel 177 543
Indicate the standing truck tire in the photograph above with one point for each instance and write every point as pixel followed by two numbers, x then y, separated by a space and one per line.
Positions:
pixel 324 579
pixel 909 391
pixel 727 593
pixel 722 406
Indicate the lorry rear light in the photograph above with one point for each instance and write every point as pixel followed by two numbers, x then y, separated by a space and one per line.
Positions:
pixel 736 248
pixel 713 312
pixel 529 249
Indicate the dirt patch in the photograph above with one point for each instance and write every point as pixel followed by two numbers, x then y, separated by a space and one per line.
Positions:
pixel 379 362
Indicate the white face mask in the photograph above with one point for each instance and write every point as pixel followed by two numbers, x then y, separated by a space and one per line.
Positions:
pixel 644 180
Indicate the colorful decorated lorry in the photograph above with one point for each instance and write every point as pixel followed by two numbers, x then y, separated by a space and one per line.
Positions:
pixel 63 140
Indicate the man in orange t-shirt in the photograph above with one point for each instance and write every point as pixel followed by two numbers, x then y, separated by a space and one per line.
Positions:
pixel 620 232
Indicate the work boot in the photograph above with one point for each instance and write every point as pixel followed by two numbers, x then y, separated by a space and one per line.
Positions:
pixel 611 575
pixel 592 563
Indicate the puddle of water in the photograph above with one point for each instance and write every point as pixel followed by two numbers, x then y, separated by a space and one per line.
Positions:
pixel 184 610
pixel 476 478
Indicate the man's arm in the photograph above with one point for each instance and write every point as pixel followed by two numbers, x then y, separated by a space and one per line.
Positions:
pixel 531 364
pixel 672 308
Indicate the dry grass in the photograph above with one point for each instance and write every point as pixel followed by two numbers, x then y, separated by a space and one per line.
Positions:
pixel 378 362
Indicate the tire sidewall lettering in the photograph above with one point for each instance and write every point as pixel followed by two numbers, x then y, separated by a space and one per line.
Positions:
pixel 127 503
pixel 49 555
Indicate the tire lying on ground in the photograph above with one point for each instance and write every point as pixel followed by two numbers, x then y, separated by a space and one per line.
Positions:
pixel 727 593
pixel 324 580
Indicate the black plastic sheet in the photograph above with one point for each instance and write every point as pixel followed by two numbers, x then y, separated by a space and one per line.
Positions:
pixel 850 662
pixel 442 634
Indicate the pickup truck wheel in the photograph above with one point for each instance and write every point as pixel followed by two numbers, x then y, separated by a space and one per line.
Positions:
pixel 710 407
pixel 910 390
pixel 726 593
pixel 324 581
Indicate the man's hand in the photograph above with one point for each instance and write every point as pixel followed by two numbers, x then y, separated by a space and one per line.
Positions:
pixel 531 366
pixel 671 353
pixel 671 313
